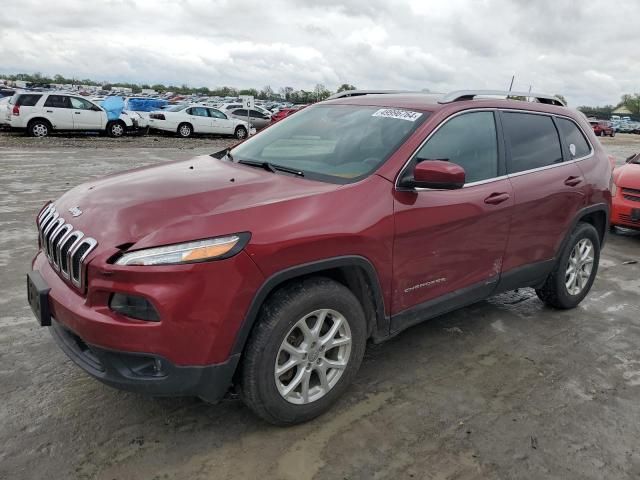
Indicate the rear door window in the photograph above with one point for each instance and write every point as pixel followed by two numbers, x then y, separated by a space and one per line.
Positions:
pixel 533 141
pixel 468 140
pixel 198 112
pixel 240 113
pixel 27 100
pixel 57 101
pixel 573 139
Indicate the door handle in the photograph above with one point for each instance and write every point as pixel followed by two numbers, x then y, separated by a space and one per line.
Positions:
pixel 496 198
pixel 49 111
pixel 573 181
pixel 77 113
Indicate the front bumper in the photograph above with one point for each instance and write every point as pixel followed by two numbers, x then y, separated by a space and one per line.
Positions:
pixel 201 307
pixel 146 373
pixel 622 213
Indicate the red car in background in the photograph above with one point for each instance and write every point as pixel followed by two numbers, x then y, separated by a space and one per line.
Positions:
pixel 625 210
pixel 602 128
pixel 285 112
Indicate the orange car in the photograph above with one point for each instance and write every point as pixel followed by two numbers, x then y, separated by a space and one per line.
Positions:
pixel 626 194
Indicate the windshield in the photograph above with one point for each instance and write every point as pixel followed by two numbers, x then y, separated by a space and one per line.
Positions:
pixel 335 143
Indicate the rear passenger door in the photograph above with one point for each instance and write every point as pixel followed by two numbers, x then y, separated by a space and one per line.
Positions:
pixel 57 109
pixel 548 191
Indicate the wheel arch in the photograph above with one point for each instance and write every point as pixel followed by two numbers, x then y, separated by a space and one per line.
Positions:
pixel 596 215
pixel 117 120
pixel 355 272
pixel 185 123
pixel 43 119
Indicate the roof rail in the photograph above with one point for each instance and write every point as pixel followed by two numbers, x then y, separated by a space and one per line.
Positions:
pixel 460 95
pixel 358 93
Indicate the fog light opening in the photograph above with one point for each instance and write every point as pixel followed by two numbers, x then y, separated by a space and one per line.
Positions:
pixel 134 307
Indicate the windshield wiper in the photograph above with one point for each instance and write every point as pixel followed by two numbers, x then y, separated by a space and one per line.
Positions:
pixel 272 167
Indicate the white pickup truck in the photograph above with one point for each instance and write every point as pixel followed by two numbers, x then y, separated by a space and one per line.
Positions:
pixel 39 113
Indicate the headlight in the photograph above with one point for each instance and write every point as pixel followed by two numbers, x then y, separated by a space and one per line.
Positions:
pixel 614 188
pixel 190 252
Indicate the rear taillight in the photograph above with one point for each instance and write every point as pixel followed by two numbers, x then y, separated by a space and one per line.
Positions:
pixel 16 110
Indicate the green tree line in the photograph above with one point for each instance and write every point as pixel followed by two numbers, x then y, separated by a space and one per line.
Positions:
pixel 318 93
pixel 630 101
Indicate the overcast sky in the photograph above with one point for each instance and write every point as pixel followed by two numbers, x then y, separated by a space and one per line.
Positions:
pixel 587 51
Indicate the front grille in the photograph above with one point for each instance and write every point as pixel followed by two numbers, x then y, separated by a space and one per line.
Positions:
pixel 65 247
pixel 632 198
pixel 627 218
pixel 632 191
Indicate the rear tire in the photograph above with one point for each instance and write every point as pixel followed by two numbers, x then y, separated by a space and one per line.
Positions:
pixel 295 330
pixel 613 134
pixel 240 133
pixel 576 269
pixel 116 129
pixel 39 128
pixel 185 130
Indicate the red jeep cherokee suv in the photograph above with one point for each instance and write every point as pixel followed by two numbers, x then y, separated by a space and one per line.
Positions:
pixel 269 266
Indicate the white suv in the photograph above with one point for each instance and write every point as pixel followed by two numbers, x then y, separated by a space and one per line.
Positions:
pixel 40 113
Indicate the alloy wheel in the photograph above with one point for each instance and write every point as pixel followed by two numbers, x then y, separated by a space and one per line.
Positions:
pixel 40 130
pixel 313 356
pixel 579 266
pixel 117 130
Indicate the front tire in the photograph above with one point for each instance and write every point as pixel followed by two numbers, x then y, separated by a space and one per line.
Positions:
pixel 576 269
pixel 185 130
pixel 304 352
pixel 240 133
pixel 116 129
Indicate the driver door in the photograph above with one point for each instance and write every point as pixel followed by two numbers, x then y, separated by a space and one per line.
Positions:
pixel 449 244
pixel 86 116
pixel 221 123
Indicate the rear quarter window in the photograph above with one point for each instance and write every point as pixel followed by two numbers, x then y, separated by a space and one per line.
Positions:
pixel 533 141
pixel 27 100
pixel 573 138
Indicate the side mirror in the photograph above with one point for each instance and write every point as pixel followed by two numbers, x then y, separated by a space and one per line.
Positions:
pixel 437 174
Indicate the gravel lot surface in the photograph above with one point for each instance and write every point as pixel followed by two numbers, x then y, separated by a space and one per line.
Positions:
pixel 503 389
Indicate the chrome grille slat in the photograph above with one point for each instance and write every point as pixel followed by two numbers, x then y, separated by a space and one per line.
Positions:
pixel 58 238
pixel 65 248
pixel 50 237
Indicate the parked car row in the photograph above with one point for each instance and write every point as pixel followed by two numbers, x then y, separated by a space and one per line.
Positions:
pixel 40 113
pixel 609 128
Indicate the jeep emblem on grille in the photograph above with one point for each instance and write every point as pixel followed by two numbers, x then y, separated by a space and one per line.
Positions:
pixel 75 211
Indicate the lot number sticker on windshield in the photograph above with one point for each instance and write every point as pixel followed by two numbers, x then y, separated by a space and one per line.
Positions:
pixel 399 114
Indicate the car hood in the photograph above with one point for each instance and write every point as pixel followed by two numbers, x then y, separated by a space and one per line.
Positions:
pixel 180 201
pixel 628 176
